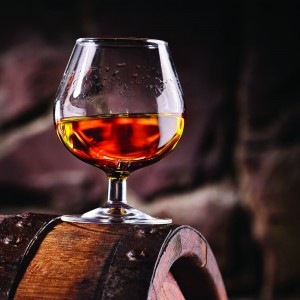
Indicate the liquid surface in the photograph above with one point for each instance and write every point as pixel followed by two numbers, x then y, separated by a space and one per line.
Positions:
pixel 120 144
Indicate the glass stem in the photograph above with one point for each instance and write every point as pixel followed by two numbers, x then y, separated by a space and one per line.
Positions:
pixel 117 191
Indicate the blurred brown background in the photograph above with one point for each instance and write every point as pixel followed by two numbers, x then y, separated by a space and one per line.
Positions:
pixel 234 176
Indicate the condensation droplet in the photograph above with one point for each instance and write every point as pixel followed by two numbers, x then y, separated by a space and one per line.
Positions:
pixel 134 255
pixel 142 232
pixel 121 65
pixel 12 240
pixel 20 224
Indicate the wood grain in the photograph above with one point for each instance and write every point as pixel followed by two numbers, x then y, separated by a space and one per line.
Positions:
pixel 70 262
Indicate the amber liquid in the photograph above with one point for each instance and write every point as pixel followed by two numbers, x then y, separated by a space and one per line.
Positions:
pixel 120 144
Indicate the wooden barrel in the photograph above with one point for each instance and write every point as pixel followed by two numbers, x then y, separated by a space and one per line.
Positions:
pixel 44 258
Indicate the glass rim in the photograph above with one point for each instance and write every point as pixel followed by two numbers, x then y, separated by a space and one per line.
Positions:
pixel 121 41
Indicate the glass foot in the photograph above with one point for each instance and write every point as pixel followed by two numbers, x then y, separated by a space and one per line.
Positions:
pixel 115 214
